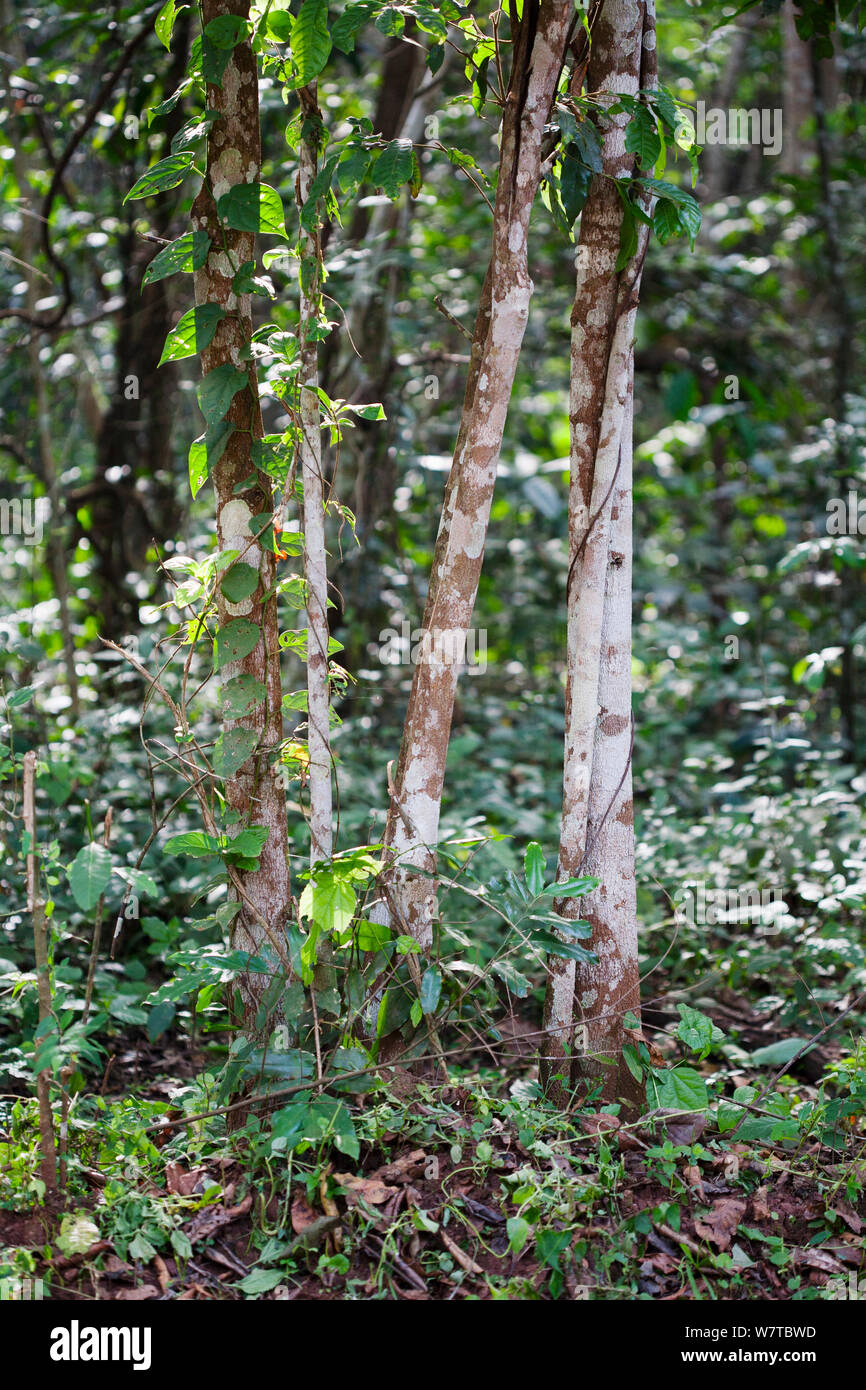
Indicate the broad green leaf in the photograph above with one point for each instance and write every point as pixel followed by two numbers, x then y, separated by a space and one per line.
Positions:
pixel 89 875
pixel 168 173
pixel 571 888
pixel 533 869
pixel 235 640
pixel 431 989
pixel 519 1231
pixel 249 842
pixel 253 207
pixel 192 333
pixel 240 582
pixel 218 390
pixel 642 138
pixel 206 452
pixel 195 843
pixel 186 254
pixel 233 748
pixel 779 1053
pixel 517 983
pixel 681 1088
pixel 393 168
pixel 241 695
pixel 227 30
pixel 164 23
pixel 696 1030
pixel 262 1281
pixel 311 43
pixel 160 1017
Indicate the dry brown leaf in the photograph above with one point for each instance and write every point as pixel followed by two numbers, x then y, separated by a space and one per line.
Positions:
pixel 692 1175
pixel 138 1295
pixel 719 1225
pixel 372 1190
pixel 410 1165
pixel 162 1273
pixel 465 1261
pixel 303 1215
pixel 760 1210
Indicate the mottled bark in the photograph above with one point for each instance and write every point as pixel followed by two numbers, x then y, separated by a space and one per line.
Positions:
pixel 234 156
pixel 598 682
pixel 413 822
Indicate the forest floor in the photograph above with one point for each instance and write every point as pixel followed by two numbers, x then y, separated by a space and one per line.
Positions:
pixel 474 1190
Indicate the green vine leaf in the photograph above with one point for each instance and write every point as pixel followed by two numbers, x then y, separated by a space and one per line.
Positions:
pixel 311 42
pixel 192 333
pixel 253 207
pixel 168 173
pixel 186 254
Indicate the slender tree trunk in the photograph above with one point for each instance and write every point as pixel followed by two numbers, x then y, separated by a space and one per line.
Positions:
pixel 597 761
pixel 36 908
pixel 315 556
pixel 413 822
pixel 234 156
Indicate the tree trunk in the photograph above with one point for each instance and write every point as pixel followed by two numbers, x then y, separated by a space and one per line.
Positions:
pixel 413 821
pixel 597 761
pixel 315 557
pixel 234 156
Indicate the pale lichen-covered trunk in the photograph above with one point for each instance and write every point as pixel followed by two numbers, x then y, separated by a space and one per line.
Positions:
pixel 234 157
pixel 598 684
pixel 413 821
pixel 315 557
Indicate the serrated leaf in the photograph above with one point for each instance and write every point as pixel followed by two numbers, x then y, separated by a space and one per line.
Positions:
pixel 89 875
pixel 393 168
pixel 642 138
pixel 168 173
